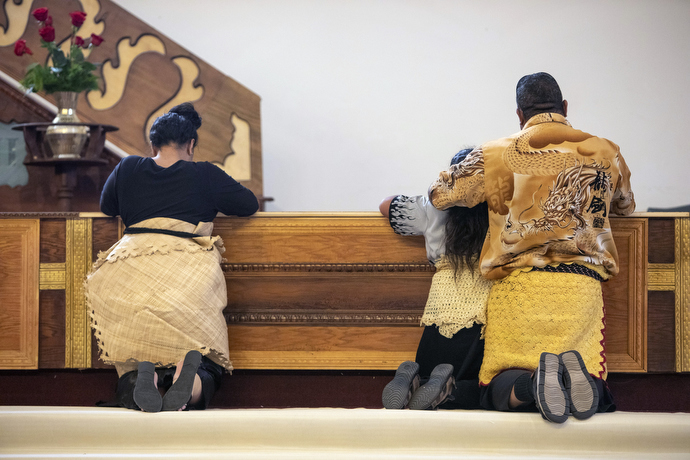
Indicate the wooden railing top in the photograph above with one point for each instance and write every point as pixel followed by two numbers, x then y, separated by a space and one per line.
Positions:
pixel 292 214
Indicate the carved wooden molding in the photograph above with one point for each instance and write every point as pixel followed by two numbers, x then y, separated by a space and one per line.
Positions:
pixel 20 250
pixel 682 265
pixel 77 320
pixel 356 268
pixel 39 215
pixel 311 317
pixel 634 233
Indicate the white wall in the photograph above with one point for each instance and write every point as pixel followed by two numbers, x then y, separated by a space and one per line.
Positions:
pixel 362 99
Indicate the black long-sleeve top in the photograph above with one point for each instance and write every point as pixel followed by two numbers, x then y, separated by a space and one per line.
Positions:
pixel 139 189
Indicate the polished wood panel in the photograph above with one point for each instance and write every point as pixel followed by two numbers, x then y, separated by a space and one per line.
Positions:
pixel 19 328
pixel 106 232
pixel 324 271
pixel 625 299
pixel 661 343
pixel 316 347
pixel 661 246
pixel 51 351
pixel 294 297
pixel 279 239
pixel 53 232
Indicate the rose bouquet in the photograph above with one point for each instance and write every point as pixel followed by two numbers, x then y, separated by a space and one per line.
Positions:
pixel 71 72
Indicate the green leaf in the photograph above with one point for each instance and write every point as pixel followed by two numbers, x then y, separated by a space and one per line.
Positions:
pixel 76 55
pixel 70 72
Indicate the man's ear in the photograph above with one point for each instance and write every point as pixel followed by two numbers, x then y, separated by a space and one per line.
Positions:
pixel 565 108
pixel 521 117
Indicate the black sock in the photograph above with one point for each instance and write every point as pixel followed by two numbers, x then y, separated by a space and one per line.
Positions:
pixel 523 388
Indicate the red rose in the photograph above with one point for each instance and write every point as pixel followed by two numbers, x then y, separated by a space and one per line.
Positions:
pixel 78 18
pixel 96 39
pixel 78 41
pixel 41 14
pixel 49 21
pixel 20 48
pixel 47 33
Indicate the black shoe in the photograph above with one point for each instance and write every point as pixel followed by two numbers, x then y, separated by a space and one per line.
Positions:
pixel 399 390
pixel 549 394
pixel 180 392
pixel 579 385
pixel 146 395
pixel 436 391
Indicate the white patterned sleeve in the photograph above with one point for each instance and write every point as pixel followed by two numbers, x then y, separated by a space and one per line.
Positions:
pixel 408 216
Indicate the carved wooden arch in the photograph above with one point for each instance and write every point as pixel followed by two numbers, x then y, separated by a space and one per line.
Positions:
pixel 148 74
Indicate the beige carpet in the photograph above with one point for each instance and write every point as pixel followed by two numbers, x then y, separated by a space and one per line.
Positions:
pixel 335 434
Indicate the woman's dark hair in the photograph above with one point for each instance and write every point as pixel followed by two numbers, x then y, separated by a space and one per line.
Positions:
pixel 465 229
pixel 177 127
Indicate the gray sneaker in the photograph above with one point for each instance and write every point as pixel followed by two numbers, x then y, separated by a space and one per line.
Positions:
pixel 579 385
pixel 436 391
pixel 549 394
pixel 399 390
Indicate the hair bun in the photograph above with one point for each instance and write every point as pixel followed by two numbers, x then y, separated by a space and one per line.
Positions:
pixel 186 110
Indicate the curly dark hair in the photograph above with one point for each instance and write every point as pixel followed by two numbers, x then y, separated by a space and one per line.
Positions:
pixel 465 229
pixel 538 93
pixel 176 127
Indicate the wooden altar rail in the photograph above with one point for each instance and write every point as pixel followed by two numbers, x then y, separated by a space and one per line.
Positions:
pixel 322 291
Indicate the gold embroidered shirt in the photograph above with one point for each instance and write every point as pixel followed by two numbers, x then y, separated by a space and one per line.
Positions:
pixel 550 190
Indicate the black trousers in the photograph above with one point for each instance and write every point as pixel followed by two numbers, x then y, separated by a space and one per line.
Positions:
pixel 209 372
pixel 465 351
pixel 496 395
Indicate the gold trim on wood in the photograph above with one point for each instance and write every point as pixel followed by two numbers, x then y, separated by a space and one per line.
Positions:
pixel 311 317
pixel 661 277
pixel 51 276
pixel 682 295
pixel 20 251
pixel 38 215
pixel 356 268
pixel 77 265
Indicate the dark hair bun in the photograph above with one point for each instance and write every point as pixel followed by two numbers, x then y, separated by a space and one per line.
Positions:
pixel 176 127
pixel 186 109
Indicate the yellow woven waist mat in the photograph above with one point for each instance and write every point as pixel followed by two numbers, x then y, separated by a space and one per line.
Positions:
pixel 533 312
pixel 456 302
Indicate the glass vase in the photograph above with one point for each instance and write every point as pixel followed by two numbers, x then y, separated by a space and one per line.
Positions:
pixel 66 140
